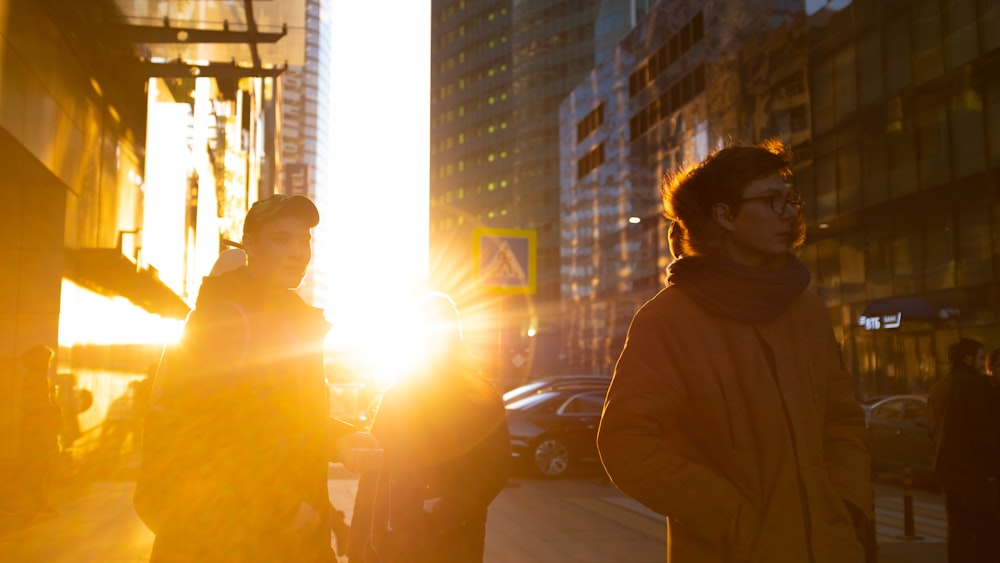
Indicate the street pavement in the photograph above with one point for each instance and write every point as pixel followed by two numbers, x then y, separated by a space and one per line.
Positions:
pixel 530 521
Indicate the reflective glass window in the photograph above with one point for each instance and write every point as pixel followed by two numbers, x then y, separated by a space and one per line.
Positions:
pixel 907 261
pixel 939 265
pixel 826 187
pixel 962 38
pixel 968 139
pixel 822 96
pixel 928 62
pixel 878 276
pixel 845 82
pixel 870 66
pixel 848 178
pixel 975 257
pixel 873 171
pixel 992 104
pixel 932 132
pixel 897 55
pixel 902 162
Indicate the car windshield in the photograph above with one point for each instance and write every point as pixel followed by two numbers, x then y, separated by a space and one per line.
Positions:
pixel 531 401
pixel 522 390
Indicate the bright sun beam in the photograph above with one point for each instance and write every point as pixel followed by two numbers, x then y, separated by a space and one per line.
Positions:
pixel 384 343
pixel 377 215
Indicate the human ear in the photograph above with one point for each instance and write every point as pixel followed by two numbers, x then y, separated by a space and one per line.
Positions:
pixel 723 215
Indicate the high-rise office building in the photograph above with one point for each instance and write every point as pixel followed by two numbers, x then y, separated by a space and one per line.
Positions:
pixel 890 109
pixel 304 134
pixel 673 90
pixel 500 69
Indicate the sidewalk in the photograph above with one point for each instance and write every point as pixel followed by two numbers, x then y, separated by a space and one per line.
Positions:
pixel 97 525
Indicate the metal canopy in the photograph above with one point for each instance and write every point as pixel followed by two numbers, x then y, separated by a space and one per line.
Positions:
pixel 259 34
pixel 108 272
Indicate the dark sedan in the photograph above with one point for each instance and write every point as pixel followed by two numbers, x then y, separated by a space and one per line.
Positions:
pixel 556 382
pixel 554 431
pixel 899 434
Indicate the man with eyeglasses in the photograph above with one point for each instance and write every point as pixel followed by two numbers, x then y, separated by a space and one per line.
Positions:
pixel 730 411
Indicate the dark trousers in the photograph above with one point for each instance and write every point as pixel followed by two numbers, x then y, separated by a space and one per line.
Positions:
pixel 973 522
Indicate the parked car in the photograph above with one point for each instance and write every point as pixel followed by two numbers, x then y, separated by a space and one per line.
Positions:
pixel 899 434
pixel 554 431
pixel 555 382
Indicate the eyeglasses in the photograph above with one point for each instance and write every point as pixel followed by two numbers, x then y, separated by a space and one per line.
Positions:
pixel 779 203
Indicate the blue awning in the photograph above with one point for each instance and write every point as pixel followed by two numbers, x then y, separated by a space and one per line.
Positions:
pixel 911 308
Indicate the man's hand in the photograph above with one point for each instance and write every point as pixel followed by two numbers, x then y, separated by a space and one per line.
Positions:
pixel 359 451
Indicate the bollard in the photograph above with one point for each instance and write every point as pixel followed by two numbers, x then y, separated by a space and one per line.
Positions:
pixel 908 529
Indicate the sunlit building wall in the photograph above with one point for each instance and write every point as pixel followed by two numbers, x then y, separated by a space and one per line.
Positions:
pixel 691 77
pixel 70 134
pixel 166 186
pixel 305 134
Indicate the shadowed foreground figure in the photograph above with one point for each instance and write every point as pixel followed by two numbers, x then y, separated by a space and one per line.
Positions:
pixel 966 428
pixel 447 455
pixel 729 411
pixel 238 436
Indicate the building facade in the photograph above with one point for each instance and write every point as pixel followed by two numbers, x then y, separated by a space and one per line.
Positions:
pixel 499 71
pixel 901 182
pixel 136 135
pixel 689 78
pixel 304 136
pixel 890 109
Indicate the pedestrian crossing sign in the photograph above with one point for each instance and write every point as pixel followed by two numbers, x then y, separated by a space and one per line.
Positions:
pixel 505 260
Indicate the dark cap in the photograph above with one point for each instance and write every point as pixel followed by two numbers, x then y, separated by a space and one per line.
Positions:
pixel 280 205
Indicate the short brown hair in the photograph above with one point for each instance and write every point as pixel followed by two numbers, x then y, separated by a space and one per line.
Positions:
pixel 689 193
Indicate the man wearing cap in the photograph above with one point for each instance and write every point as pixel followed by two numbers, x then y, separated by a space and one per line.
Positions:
pixel 235 458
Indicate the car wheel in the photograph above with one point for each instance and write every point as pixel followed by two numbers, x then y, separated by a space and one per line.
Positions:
pixel 550 457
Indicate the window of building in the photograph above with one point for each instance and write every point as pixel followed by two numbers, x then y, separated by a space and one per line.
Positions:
pixel 939 248
pixel 873 171
pixel 968 146
pixel 989 23
pixel 928 62
pixel 828 269
pixel 849 178
pixel 932 134
pixel 897 55
pixel 975 256
pixel 878 275
pixel 907 261
pixel 901 150
pixel 993 117
pixel 822 96
pixel 852 268
pixel 845 82
pixel 870 72
pixel 826 187
pixel 962 38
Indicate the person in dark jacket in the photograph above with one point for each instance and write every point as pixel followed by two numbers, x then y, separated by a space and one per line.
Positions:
pixel 39 431
pixel 729 411
pixel 238 436
pixel 447 455
pixel 964 425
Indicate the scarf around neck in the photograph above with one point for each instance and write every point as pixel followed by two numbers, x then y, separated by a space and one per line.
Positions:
pixel 738 292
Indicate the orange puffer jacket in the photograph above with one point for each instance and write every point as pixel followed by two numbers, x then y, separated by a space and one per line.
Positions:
pixel 747 437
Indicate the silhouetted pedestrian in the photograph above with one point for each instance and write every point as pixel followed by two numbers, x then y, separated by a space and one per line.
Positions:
pixel 238 436
pixel 447 455
pixel 964 423
pixel 39 431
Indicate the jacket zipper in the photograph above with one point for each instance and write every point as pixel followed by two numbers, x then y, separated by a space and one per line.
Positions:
pixel 772 365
